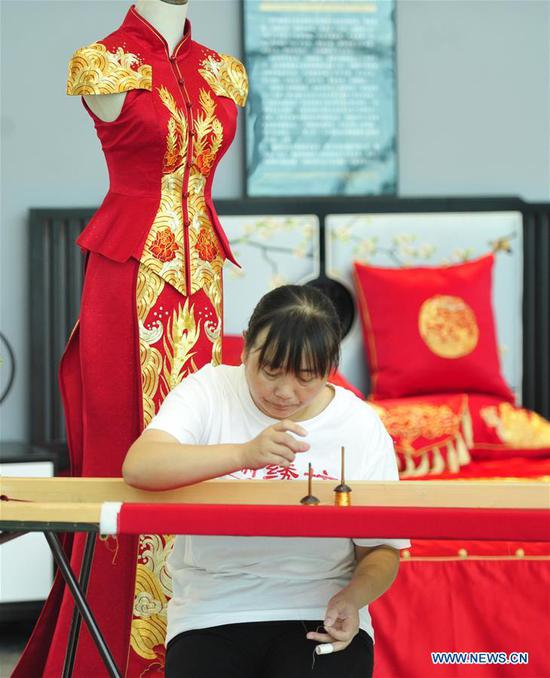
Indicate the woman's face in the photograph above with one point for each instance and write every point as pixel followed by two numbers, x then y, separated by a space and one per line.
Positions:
pixel 278 394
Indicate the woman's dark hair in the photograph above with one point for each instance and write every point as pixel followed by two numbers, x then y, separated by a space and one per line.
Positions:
pixel 303 330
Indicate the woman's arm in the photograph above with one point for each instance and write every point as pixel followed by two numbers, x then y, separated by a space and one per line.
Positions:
pixel 374 573
pixel 157 461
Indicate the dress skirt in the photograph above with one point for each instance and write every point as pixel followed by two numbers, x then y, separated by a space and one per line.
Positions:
pixel 137 337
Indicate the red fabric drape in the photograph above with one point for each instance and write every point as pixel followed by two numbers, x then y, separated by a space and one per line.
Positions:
pixel 468 596
pixel 330 521
pixel 494 605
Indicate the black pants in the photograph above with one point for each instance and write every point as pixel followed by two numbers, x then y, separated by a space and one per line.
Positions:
pixel 264 650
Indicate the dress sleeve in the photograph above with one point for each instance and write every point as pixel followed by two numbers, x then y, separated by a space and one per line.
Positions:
pixel 187 409
pixel 381 465
pixel 226 76
pixel 97 69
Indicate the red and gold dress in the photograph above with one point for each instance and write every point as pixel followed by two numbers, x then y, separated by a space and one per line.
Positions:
pixel 151 309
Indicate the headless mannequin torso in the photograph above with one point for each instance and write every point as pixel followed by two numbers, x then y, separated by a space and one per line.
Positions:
pixel 168 17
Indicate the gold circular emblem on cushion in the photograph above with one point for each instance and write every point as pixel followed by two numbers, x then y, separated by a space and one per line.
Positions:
pixel 448 326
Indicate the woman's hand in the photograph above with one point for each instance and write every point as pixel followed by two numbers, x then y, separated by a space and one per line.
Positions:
pixel 274 445
pixel 374 573
pixel 341 623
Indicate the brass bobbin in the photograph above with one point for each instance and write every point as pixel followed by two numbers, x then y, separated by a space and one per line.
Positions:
pixel 342 495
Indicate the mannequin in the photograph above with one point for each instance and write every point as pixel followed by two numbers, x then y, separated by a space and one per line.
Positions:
pixel 151 310
pixel 168 17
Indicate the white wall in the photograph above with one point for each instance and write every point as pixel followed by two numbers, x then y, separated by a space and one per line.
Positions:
pixel 473 104
pixel 474 97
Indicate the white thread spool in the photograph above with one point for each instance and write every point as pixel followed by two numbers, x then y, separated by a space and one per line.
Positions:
pixel 325 648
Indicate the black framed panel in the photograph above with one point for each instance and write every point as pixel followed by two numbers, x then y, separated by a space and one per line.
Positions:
pixel 56 274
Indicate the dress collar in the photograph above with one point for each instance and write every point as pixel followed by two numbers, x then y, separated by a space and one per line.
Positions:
pixel 146 32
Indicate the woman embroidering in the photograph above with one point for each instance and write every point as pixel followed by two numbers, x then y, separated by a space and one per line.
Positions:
pixel 256 606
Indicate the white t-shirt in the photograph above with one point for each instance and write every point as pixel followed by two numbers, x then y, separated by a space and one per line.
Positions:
pixel 224 580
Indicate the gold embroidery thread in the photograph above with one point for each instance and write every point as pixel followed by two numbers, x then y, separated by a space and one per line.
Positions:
pixel 96 70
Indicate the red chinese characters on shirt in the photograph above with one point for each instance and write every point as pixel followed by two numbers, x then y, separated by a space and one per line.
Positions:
pixel 276 472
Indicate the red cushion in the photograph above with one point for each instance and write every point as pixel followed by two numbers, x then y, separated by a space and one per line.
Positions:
pixel 232 348
pixel 340 380
pixel 430 432
pixel 430 329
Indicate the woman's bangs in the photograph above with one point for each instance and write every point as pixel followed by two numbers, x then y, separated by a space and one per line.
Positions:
pixel 294 347
pixel 275 352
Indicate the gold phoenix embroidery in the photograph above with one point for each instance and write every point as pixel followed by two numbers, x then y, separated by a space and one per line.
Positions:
pixel 181 336
pixel 164 248
pixel 161 368
pixel 517 427
pixel 96 70
pixel 419 421
pixel 164 251
pixel 206 259
pixel 448 326
pixel 226 76
pixel 152 590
